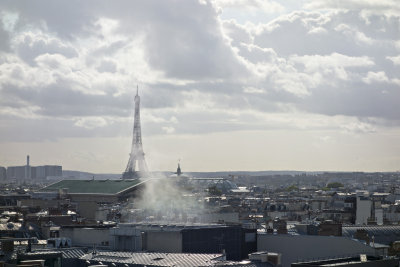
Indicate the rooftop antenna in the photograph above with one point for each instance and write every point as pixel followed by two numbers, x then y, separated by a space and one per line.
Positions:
pixel 94 252
pixel 137 89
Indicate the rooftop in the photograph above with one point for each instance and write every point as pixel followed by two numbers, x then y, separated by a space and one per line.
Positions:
pixel 384 234
pixel 156 226
pixel 360 260
pixel 154 259
pixel 93 186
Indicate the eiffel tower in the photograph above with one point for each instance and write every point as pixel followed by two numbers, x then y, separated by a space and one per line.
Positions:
pixel 137 155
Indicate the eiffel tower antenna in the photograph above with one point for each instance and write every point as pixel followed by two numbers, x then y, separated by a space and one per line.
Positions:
pixel 137 155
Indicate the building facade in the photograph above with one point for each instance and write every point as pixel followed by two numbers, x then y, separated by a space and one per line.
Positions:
pixel 3 173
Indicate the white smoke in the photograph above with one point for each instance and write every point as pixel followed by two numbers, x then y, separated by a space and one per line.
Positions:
pixel 167 199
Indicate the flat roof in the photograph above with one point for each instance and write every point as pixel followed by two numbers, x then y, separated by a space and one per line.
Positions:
pixel 384 234
pixel 154 259
pixel 346 261
pixel 93 186
pixel 157 226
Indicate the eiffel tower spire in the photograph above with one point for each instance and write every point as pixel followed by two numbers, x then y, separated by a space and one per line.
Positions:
pixel 137 155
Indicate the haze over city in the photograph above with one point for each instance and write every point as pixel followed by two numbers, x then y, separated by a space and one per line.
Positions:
pixel 224 85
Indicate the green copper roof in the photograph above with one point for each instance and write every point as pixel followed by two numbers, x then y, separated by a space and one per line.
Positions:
pixel 93 186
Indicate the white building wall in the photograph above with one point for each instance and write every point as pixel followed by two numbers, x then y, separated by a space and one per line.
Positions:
pixel 363 210
pixel 126 237
pixel 379 216
pixel 87 236
pixel 307 247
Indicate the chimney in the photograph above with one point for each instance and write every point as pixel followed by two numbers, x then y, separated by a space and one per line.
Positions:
pixel 27 168
pixel 223 254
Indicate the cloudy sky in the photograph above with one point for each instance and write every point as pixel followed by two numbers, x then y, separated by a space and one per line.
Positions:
pixel 225 84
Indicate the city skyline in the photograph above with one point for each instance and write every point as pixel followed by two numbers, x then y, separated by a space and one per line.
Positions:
pixel 225 85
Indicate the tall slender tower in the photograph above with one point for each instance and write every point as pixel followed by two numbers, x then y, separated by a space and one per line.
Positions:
pixel 137 155
pixel 27 169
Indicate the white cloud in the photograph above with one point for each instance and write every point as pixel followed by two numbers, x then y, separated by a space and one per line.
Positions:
pixel 266 6
pixel 327 69
pixel 107 66
pixel 91 122
pixel 359 127
pixel 30 44
pixel 396 81
pixel 370 5
pixel 395 60
pixel 334 60
pixel 168 129
pixel 253 90
pixel 317 30
pixel 379 76
pixel 199 74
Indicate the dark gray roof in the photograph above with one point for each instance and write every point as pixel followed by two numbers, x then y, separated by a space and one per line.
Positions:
pixel 154 259
pixel 72 253
pixel 382 234
pixel 156 226
pixel 246 264
pixel 43 253
pixel 94 186
pixel 75 253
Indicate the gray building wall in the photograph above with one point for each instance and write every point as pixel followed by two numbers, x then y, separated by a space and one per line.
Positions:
pixel 3 173
pixel 28 172
pixel 364 206
pixel 308 247
pixel 42 172
pixel 226 217
pixel 170 242
pixel 375 263
pixel 87 236
pixel 16 172
pixel 126 237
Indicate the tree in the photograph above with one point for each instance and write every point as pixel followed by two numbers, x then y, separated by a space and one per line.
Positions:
pixel 214 191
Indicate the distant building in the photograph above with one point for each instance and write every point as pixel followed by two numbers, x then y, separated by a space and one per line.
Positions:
pixel 236 241
pixel 330 228
pixel 89 236
pixel 222 184
pixel 3 173
pixel 16 172
pixel 301 248
pixel 363 212
pixel 28 172
pixel 42 172
pixel 89 194
pixel 27 169
pixel 280 226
